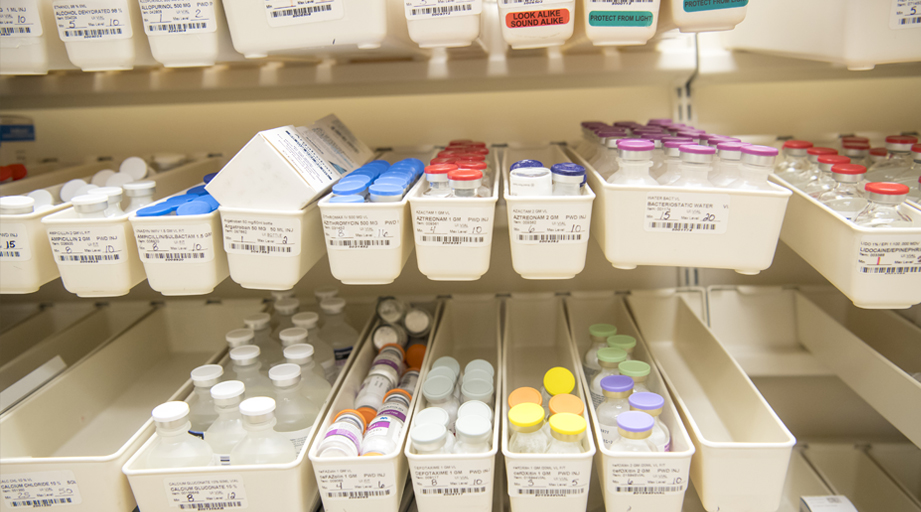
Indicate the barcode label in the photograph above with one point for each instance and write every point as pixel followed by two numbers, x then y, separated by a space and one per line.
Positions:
pixel 910 21
pixel 683 226
pixel 163 241
pixel 88 245
pixel 93 33
pixel 889 270
pixel 174 256
pixel 176 28
pixel 167 17
pixel 8 31
pixel 686 212
pixel 552 223
pixel 88 258
pixel 454 491
pixel 42 503
pixel 543 493
pixel 447 225
pixel 259 249
pixel 452 240
pixel 196 491
pixel 520 2
pixel 359 495
pixel 92 20
pixel 277 236
pixel 367 481
pixel 905 14
pixel 14 242
pixel 210 506
pixel 20 18
pixel 302 11
pixel 359 243
pixel 10 254
pixel 647 477
pixel 659 489
pixel 438 11
pixel 282 13
pixel 416 9
pixel 358 228
pixel 549 238
pixel 547 479
pixel 890 255
pixel 622 2
pixel 53 490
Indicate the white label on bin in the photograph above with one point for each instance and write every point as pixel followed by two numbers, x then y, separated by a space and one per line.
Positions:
pixel 20 18
pixel 357 482
pixel 14 242
pixel 453 478
pixel 269 237
pixel 687 212
pixel 92 20
pixel 175 243
pixel 48 489
pixel 282 13
pixel 551 223
pixel 648 478
pixel 171 17
pixel 427 9
pixel 224 491
pixel 379 228
pixel 105 245
pixel 905 14
pixel 453 226
pixel 889 255
pixel 546 480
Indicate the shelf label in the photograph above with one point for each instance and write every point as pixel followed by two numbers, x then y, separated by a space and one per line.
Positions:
pixel 453 226
pixel 223 491
pixel 280 236
pixel 620 18
pixel 428 9
pixel 171 17
pixel 378 228
pixel 88 245
pixel 712 5
pixel 20 18
pixel 356 482
pixel 547 480
pixel 648 477
pixel 544 18
pixel 14 242
pixel 47 489
pixel 92 20
pixel 283 13
pixel 905 14
pixel 454 478
pixel 550 223
pixel 169 243
pixel 889 255
pixel 687 212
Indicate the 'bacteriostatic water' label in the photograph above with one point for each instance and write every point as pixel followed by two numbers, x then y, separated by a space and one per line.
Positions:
pixel 687 212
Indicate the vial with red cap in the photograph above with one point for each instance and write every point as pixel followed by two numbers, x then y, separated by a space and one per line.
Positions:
pixel 858 152
pixel 898 159
pixel 825 181
pixel 847 198
pixel 757 162
pixel 486 180
pixel 878 154
pixel 794 158
pixel 465 182
pixel 635 159
pixel 803 176
pixel 884 206
pixel 437 178
pixel 696 164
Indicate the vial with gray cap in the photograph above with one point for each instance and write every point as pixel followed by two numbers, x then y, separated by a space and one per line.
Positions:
pixel 336 331
pixel 246 368
pixel 436 416
pixel 478 390
pixel 202 412
pixel 114 195
pixel 174 447
pixel 313 380
pixel 227 429
pixel 295 413
pixel 322 351
pixel 475 408
pixel 757 162
pixel 90 206
pixel 269 349
pixel 439 392
pixel 391 310
pixel 473 434
pixel 431 439
pixel 140 194
pixel 282 312
pixel 262 444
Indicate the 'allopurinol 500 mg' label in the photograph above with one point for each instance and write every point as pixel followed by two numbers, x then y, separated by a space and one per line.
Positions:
pixel 92 20
pixel 174 243
pixel 96 245
pixel 427 9
pixel 270 237
pixel 687 212
pixel 282 13
pixel 47 489
pixel 168 17
pixel 14 242
pixel 20 18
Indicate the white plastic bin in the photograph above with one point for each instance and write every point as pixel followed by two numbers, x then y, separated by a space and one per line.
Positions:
pixel 535 339
pixel 620 23
pixel 101 407
pixel 702 15
pixel 859 261
pixel 34 47
pixel 187 35
pixel 469 329
pixel 102 35
pixel 743 449
pixel 536 23
pixel 627 486
pixel 443 24
pixel 52 179
pixel 26 261
pixel 548 235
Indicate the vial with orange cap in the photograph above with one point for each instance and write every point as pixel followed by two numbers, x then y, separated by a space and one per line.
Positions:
pixel 343 438
pixel 526 421
pixel 384 432
pixel 564 403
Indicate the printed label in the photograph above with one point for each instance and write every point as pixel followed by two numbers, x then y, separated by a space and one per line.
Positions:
pixel 14 242
pixel 609 434
pixel 620 18
pixel 298 438
pixel 356 482
pixel 99 245
pixel 169 17
pixel 647 477
pixel 92 20
pixel 206 492
pixel 454 478
pixel 905 14
pixel 48 489
pixel 597 398
pixel 889 255
pixel 269 237
pixel 303 156
pixel 528 2
pixel 549 224
pixel 712 5
pixel 544 18
pixel 453 227
pixel 20 18
pixel 427 9
pixel 345 430
pixel 687 212
pixel 282 13
pixel 379 228
pixel 546 480
pixel 169 243
pixel 342 356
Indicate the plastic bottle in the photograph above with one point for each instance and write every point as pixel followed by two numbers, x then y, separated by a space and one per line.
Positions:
pixel 599 335
pixel 568 179
pixel 898 159
pixel 652 404
pixel 672 162
pixel 530 182
pixel 283 311
pixel 431 439
pixel 383 435
pixel 557 380
pixel 114 200
pixel 140 194
pixel 473 433
pixel 336 331
pixel 387 334
pixel 90 206
pixel 227 429
pixel 527 436
pixel 202 412
pixel 638 371
pixel 238 338
pixel 418 322
pixel 794 159
pixel 730 159
pixel 322 351
pixel 635 161
pixel 882 211
pixel 343 437
pixel 617 390
pixel 624 342
pixel 326 292
pixel 246 368
pixel 298 336
pixel 634 429
pixel 568 431
pixel 439 392
pixel 755 169
pixel 262 444
pixel 825 180
pixel 270 352
pixel 609 358
pixel 313 382
pixel 846 198
pixel 478 390
pixel 437 178
pixel 696 164
pixel 409 380
pixel 295 413
pixel 174 446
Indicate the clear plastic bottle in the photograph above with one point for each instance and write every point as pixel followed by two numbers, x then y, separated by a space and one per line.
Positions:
pixel 727 170
pixel 140 194
pixel 755 168
pixel 246 368
pixel 283 311
pixel 794 158
pixel 437 178
pixel 635 162
pixel 557 381
pixel 568 431
pixel 478 390
pixel 617 390
pixel 696 164
pixel 298 336
pixel 269 349
pixel 898 159
pixel 638 371
pixel 238 338
pixel 174 446
pixel 295 413
pixel 322 351
pixel 343 438
pixel 568 179
pixel 326 292
pixel 882 211
pixel 439 392
pixel 672 162
pixel 846 198
pixel 431 439
pixel 473 434
pixel 336 331
pixel 826 180
pixel 202 412
pixel 313 383
pixel 227 429
pixel 652 404
pixel 527 436
pixel 383 435
pixel 811 172
pixel 609 358
pixel 634 429
pixel 262 444
pixel 599 334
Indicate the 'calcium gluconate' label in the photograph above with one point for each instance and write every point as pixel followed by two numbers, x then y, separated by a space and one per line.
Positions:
pixel 198 492
pixel 92 20
pixel 46 489
pixel 173 17
pixel 429 9
pixel 687 212
pixel 20 18
pixel 283 13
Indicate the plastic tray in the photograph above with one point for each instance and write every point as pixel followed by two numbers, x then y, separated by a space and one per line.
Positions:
pixel 35 55
pixel 537 25
pixel 14 313
pixel 55 179
pixel 743 236
pixel 461 482
pixel 551 247
pixel 277 487
pixel 190 47
pixel 902 461
pixel 92 54
pixel 851 257
pixel 626 486
pixel 701 16
pixel 101 407
pixel 743 449
pixel 535 339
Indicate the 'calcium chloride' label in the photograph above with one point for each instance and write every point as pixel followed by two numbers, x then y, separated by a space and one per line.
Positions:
pixel 544 480
pixel 170 17
pixel 14 242
pixel 45 490
pixel 20 18
pixel 648 477
pixel 277 236
pixel 224 491
pixel 454 226
pixel 905 14
pixel 356 481
pixel 687 212
pixel 375 228
pixel 92 20
pixel 712 5
pixel 283 13
pixel 453 478
pixel 428 9
pixel 889 255
pixel 170 243
pixel 88 245
pixel 549 223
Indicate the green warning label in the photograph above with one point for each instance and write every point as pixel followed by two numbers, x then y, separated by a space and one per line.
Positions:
pixel 620 19
pixel 712 5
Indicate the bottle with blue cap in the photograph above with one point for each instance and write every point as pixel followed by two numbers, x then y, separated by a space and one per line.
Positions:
pixel 652 404
pixel 355 186
pixel 634 429
pixel 387 192
pixel 616 390
pixel 568 179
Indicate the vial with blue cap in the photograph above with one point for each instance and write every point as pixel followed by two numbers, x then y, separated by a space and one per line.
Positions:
pixel 156 210
pixel 529 178
pixel 568 179
pixel 208 177
pixel 194 208
pixel 353 187
pixel 386 193
pixel 399 181
pixel 198 191
pixel 349 199
pixel 652 404
pixel 617 390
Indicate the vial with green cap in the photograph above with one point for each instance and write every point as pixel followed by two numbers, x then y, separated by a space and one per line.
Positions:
pixel 639 371
pixel 624 342
pixel 599 335
pixel 609 358
pixel 526 421
pixel 557 380
pixel 567 431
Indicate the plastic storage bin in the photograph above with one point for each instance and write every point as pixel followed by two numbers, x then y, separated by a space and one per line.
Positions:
pixel 52 181
pixel 702 15
pixel 548 235
pixel 26 260
pixel 469 329
pixel 33 47
pixel 619 23
pixel 743 449
pixel 858 261
pixel 101 407
pixel 536 24
pixel 443 24
pixel 183 36
pixel 102 35
pixel 535 339
pixel 626 485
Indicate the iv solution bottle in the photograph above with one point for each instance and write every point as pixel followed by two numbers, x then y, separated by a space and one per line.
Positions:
pixel 269 348
pixel 322 351
pixel 174 446
pixel 246 368
pixel 201 407
pixel 313 384
pixel 336 331
pixel 262 444
pixel 294 412
pixel 227 429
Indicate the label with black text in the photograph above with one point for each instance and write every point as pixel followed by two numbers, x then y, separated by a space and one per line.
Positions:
pixel 379 228
pixel 283 13
pixel 95 245
pixel 536 480
pixel 905 14
pixel 169 17
pixel 455 226
pixel 47 489
pixel 14 242
pixel 428 9
pixel 92 20
pixel 453 478
pixel 648 477
pixel 280 236
pixel 889 255
pixel 169 243
pixel 356 482
pixel 20 18
pixel 551 223
pixel 223 491
pixel 687 212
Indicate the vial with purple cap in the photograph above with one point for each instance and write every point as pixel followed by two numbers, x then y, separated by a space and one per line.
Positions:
pixel 635 430
pixel 652 404
pixel 757 162
pixel 617 390
pixel 672 161
pixel 727 170
pixel 696 164
pixel 635 161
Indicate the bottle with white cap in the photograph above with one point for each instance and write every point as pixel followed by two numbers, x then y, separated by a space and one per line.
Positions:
pixel 391 310
pixel 295 413
pixel 16 205
pixel 140 194
pixel 322 351
pixel 69 189
pixel 439 392
pixel 384 431
pixel 418 322
pixel 321 294
pixel 227 429
pixel 283 311
pixel 245 336
pixel 90 206
pixel 431 439
pixel 136 167
pixel 114 195
pixel 262 444
pixel 174 446
pixel 478 390
pixel 436 416
pixel 473 435
pixel 475 408
pixel 202 408
pixel 246 368
pixel 313 380
pixel 336 331
pixel 43 199
pixel 269 349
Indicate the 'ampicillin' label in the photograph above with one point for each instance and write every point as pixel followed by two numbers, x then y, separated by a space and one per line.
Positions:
pixel 620 19
pixel 545 18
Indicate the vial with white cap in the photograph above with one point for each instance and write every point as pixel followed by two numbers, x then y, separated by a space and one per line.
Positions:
pixel 696 164
pixel 391 310
pixel 294 412
pixel 476 374
pixel 324 293
pixel 202 412
pixel 99 179
pixel 652 404
pixel 322 351
pixel 418 322
pixel 90 206
pixel 227 429
pixel 269 349
pixel 634 429
pixel 568 179
pixel 634 163
pixel 475 408
pixel 174 447
pixel 432 415
pixel 313 380
pixel 481 364
pixel 167 161
pixel 43 199
pixel 439 392
pixel 478 390
pixel 282 294
pixel 246 368
pixel 262 444
pixel 114 195
pixel 69 189
pixel 883 209
pixel 336 331
pixel 140 194
pixel 451 364
pixel 473 435
pixel 431 439
pixel 16 205
pixel 135 167
pixel 120 179
pixel 282 312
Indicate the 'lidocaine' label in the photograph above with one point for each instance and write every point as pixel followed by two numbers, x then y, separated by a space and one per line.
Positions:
pixel 356 482
pixel 47 489
pixel 428 9
pixel 88 245
pixel 20 18
pixel 171 17
pixel 712 5
pixel 550 223
pixel 889 255
pixel 687 212
pixel 648 477
pixel 454 478
pixel 92 20
pixel 223 491
pixel 905 14
pixel 283 13
pixel 547 480
pixel 378 228
pixel 167 243
pixel 268 237
pixel 441 226
pixel 14 242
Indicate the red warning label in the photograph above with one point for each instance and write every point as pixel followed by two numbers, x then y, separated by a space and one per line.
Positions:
pixel 545 18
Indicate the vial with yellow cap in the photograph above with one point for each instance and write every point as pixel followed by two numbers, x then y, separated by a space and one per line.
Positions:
pixel 638 371
pixel 568 430
pixel 557 381
pixel 564 403
pixel 599 334
pixel 623 342
pixel 525 422
pixel 609 358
